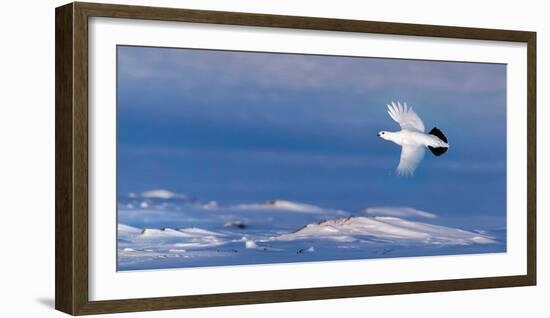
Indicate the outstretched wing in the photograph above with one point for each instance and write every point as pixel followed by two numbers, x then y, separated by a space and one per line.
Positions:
pixel 410 158
pixel 405 116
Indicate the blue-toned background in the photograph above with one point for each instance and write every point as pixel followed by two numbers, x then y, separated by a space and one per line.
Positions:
pixel 237 126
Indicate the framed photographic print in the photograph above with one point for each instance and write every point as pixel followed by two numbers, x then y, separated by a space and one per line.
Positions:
pixel 211 158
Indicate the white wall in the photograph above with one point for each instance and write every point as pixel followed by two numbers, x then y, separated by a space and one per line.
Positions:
pixel 27 158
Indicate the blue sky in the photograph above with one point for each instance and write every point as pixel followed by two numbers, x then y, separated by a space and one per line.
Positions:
pixel 247 127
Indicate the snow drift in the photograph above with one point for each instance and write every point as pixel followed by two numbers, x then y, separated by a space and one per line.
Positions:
pixel 388 229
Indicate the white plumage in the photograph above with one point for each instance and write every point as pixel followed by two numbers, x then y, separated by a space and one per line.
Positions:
pixel 405 117
pixel 412 138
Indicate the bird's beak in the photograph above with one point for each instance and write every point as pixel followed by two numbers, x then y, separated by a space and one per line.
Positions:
pixel 378 134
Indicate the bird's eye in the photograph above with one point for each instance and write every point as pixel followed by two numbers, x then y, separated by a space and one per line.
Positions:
pixel 382 133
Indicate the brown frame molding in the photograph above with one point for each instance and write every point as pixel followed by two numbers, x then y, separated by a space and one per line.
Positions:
pixel 71 154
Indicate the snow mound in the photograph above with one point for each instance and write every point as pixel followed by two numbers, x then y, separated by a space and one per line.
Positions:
pixel 185 232
pixel 210 205
pixel 126 229
pixel 250 244
pixel 163 233
pixel 389 229
pixel 166 238
pixel 398 212
pixel 195 231
pixel 162 194
pixel 282 205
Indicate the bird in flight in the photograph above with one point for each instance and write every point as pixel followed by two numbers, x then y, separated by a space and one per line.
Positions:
pixel 412 138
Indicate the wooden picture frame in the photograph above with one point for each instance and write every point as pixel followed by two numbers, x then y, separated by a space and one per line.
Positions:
pixel 71 90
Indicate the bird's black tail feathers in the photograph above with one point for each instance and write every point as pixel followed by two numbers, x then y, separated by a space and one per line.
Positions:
pixel 438 151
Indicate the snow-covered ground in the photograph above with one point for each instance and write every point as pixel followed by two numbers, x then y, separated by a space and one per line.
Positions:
pixel 160 229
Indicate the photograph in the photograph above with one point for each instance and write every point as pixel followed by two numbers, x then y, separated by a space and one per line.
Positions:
pixel 229 158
